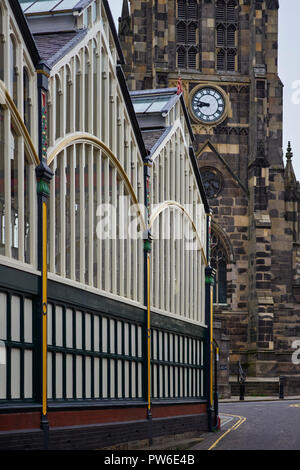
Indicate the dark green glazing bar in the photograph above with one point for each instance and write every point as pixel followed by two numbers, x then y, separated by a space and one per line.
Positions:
pixel 116 363
pixel 174 377
pixel 100 359
pixel 74 357
pixel 92 359
pixel 188 369
pixel 123 369
pixel 108 360
pixel 130 354
pixel 22 352
pixel 64 356
pixel 53 354
pixel 83 356
pixel 130 379
pixel 191 370
pixel 8 347
pixel 54 375
pixel 163 365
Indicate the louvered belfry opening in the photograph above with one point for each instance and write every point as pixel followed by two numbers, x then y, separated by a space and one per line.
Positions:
pixel 188 34
pixel 226 35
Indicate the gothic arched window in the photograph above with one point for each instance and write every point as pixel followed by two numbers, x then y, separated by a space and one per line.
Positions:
pixel 192 58
pixel 220 10
pixel 219 263
pixel 231 35
pixel 181 57
pixel 221 35
pixel 181 32
pixel 231 11
pixel 192 33
pixel 221 59
pixel 181 9
pixel 187 33
pixel 192 9
pixel 226 35
pixel 231 60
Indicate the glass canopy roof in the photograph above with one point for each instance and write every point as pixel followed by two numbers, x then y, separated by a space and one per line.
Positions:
pixel 39 6
pixel 150 105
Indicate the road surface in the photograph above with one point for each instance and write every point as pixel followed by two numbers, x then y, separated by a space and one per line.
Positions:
pixel 268 425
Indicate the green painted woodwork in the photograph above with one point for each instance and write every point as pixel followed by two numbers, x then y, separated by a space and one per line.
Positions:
pixel 43 188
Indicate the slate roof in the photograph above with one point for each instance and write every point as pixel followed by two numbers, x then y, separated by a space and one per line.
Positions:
pixel 153 138
pixel 53 46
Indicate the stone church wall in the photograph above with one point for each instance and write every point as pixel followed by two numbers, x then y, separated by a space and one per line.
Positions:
pixel 256 210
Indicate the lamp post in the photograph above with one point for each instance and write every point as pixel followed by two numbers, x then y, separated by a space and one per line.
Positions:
pixel 147 280
pixel 43 177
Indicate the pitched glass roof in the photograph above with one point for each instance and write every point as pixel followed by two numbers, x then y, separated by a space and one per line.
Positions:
pixel 151 104
pixel 41 6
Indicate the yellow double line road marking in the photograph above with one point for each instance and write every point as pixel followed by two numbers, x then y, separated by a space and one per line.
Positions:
pixel 241 420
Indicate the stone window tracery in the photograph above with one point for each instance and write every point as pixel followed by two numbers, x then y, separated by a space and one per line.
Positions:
pixel 226 35
pixel 187 34
pixel 212 181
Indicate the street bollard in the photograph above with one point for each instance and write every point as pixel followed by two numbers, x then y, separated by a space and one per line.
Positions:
pixel 241 381
pixel 281 387
pixel 216 408
pixel 242 391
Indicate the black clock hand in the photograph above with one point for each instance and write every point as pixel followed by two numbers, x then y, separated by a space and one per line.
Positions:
pixel 201 104
pixel 199 100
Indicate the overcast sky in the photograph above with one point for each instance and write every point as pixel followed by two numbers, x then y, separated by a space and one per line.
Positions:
pixel 289 71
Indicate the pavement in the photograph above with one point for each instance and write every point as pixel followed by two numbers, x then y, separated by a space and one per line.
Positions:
pixel 261 398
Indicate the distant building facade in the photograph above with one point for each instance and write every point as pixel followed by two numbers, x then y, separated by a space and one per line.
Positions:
pixel 226 53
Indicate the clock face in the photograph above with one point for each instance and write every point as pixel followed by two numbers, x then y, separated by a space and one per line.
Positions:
pixel 208 105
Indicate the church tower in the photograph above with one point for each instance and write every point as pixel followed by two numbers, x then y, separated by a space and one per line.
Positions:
pixel 226 53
